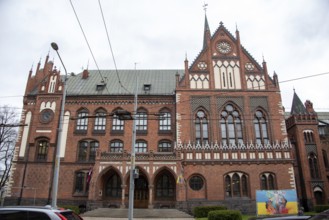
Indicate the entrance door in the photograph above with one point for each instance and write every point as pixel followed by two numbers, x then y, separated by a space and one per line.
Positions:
pixel 141 193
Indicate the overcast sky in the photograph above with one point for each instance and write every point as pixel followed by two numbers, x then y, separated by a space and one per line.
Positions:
pixel 292 35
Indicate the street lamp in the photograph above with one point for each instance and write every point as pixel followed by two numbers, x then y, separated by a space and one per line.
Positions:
pixel 59 137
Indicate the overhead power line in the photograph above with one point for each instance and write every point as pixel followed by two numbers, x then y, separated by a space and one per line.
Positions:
pixel 108 40
pixel 84 35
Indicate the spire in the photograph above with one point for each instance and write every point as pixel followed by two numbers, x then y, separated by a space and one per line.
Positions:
pixel 297 107
pixel 206 35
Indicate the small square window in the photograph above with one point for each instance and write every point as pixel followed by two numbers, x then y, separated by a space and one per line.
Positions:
pixel 147 87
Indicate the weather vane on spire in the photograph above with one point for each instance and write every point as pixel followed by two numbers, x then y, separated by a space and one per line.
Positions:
pixel 205 7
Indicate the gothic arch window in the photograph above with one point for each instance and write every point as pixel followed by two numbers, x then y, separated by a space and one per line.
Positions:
pixel 141 146
pixel 261 127
pixel 196 182
pixel 165 120
pixel 117 124
pixel 236 185
pixel 267 181
pixel 165 186
pixel 165 146
pixel 116 146
pixel 141 120
pixel 87 150
pixel 308 137
pixel 313 164
pixel 113 186
pixel 42 150
pixel 231 125
pixel 81 182
pixel 100 120
pixel 82 120
pixel 201 127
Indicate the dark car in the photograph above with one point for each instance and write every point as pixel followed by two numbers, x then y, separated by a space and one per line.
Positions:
pixel 290 217
pixel 37 213
pixel 321 216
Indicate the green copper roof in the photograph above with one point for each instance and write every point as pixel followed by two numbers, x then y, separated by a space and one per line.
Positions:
pixel 106 82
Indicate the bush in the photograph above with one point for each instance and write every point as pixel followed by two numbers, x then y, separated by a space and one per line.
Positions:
pixel 202 211
pixel 320 208
pixel 224 215
pixel 71 207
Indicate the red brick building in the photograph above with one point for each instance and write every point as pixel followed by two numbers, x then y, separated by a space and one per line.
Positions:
pixel 212 133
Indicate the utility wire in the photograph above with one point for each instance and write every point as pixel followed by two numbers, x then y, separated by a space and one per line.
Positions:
pixel 84 35
pixel 108 40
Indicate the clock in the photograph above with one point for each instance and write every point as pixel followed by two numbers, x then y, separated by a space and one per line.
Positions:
pixel 202 65
pixel 46 116
pixel 224 47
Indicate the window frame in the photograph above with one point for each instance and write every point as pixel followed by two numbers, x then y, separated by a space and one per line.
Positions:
pixel 42 150
pixel 165 148
pixel 100 121
pixel 90 149
pixel 82 123
pixel 143 146
pixel 237 187
pixel 165 121
pixel 231 125
pixel 141 121
pixel 83 185
pixel 201 126
pixel 261 127
pixel 116 146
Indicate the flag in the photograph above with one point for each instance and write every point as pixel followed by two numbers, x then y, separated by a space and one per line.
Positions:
pixel 90 173
pixel 180 178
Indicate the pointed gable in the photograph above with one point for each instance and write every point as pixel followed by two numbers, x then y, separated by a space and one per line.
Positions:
pixel 297 107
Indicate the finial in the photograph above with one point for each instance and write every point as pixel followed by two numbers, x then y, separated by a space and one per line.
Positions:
pixel 32 66
pixel 185 55
pixel 205 7
pixel 221 23
pixel 40 60
pixel 294 89
pixel 263 57
pixel 236 26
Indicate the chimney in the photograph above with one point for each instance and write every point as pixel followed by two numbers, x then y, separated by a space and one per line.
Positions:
pixel 85 74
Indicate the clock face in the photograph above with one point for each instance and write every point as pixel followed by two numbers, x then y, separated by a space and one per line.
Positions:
pixel 224 47
pixel 46 116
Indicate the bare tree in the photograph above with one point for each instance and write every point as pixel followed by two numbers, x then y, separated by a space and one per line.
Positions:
pixel 8 135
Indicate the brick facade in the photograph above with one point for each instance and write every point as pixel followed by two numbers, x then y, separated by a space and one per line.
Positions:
pixel 198 159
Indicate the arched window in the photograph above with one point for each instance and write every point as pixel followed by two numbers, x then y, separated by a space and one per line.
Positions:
pixel 141 146
pixel 117 124
pixel 100 121
pixel 81 184
pixel 113 186
pixel 165 186
pixel 308 137
pixel 231 125
pixel 236 185
pixel 267 181
pixel 165 146
pixel 42 150
pixel 87 151
pixel 325 158
pixel 82 121
pixel 165 120
pixel 116 146
pixel 261 128
pixel 313 164
pixel 201 128
pixel 141 120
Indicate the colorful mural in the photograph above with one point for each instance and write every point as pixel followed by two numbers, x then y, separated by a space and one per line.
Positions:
pixel 276 202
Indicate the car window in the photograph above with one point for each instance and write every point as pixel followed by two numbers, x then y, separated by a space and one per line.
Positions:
pixel 38 216
pixel 13 215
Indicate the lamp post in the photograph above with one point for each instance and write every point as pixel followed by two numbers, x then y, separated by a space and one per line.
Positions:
pixel 133 157
pixel 59 137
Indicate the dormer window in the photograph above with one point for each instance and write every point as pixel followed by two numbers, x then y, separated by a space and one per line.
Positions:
pixel 100 86
pixel 147 87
